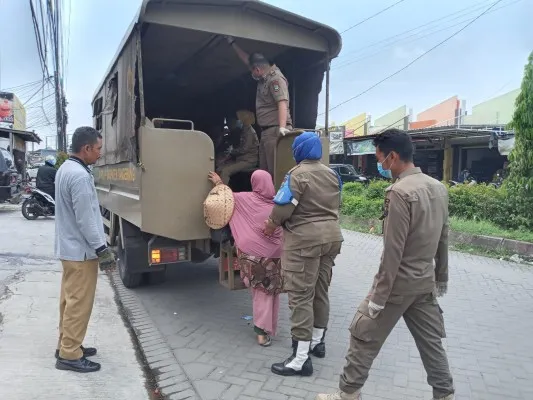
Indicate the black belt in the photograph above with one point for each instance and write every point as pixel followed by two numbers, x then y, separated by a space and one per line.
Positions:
pixel 264 128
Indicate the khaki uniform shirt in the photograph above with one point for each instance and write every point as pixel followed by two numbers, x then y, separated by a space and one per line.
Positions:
pixel 415 237
pixel 270 91
pixel 315 219
pixel 248 149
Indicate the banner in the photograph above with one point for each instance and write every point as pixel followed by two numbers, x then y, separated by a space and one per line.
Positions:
pixel 505 146
pixel 7 117
pixel 360 148
pixel 336 140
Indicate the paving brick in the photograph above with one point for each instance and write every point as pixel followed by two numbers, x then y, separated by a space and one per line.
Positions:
pixel 489 354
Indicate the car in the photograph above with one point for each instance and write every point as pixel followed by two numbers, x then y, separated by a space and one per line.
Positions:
pixel 348 173
pixel 8 176
pixel 31 172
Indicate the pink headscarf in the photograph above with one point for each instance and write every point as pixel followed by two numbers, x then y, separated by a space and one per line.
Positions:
pixel 252 209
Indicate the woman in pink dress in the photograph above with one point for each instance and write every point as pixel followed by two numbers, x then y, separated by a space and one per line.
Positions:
pixel 258 255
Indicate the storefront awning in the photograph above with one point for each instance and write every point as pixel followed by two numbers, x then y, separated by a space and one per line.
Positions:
pixel 24 135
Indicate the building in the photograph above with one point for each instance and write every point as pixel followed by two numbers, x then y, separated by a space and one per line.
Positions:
pixel 496 111
pixel 446 140
pixel 12 112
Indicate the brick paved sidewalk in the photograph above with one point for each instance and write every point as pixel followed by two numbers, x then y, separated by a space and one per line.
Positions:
pixel 488 314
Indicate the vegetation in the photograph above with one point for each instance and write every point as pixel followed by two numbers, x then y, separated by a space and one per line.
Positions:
pixel 61 158
pixel 520 182
pixel 477 210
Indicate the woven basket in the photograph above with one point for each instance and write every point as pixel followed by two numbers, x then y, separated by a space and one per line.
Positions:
pixel 218 207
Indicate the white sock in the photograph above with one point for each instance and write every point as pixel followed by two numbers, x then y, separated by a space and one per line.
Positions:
pixel 317 337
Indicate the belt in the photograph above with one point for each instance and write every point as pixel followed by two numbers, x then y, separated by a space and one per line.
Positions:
pixel 264 128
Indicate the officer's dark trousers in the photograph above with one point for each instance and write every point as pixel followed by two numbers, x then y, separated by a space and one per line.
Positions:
pixel 423 317
pixel 306 278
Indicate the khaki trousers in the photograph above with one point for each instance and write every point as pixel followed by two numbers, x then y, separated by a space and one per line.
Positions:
pixel 306 278
pixel 232 167
pixel 78 287
pixel 267 149
pixel 423 317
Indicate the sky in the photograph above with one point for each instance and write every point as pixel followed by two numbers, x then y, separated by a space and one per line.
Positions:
pixel 485 60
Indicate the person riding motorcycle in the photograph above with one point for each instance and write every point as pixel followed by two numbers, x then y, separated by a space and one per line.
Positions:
pixel 46 176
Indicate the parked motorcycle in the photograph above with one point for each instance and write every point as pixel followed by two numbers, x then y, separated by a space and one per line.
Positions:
pixel 38 204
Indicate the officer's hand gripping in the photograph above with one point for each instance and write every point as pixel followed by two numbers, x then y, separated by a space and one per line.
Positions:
pixel 442 288
pixel 374 309
pixel 107 260
pixel 283 131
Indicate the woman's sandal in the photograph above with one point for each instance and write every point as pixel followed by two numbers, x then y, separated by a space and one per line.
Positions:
pixel 267 342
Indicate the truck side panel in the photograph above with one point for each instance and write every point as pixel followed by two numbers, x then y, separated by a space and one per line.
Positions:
pixel 174 182
pixel 118 187
pixel 285 160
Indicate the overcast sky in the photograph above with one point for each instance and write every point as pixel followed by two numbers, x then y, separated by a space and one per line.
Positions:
pixel 483 61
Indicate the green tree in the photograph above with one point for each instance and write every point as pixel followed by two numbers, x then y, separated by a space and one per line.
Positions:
pixel 520 182
pixel 61 158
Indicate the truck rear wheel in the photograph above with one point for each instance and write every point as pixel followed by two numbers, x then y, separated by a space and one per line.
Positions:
pixel 129 279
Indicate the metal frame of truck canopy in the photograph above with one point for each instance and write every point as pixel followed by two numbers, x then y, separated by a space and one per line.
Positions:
pixel 228 25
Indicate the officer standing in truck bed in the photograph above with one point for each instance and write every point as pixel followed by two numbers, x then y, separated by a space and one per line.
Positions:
pixel 271 105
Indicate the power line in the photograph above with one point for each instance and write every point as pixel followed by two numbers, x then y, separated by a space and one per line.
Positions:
pixel 347 62
pixel 417 58
pixel 476 6
pixel 372 16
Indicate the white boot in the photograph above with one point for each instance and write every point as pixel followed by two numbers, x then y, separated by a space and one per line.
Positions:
pixel 298 364
pixel 318 334
pixel 340 395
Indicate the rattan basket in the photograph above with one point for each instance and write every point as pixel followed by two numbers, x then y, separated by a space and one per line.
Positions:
pixel 218 207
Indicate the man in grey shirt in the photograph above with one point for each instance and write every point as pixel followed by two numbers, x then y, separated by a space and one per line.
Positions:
pixel 80 244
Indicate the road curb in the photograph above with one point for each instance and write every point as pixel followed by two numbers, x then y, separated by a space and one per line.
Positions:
pixel 493 243
pixel 172 381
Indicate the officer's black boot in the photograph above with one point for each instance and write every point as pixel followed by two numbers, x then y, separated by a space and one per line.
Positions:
pixel 298 364
pixel 318 344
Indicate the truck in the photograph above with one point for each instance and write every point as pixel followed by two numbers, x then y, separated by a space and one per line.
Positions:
pixel 163 101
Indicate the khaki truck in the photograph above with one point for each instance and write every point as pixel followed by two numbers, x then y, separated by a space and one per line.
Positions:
pixel 162 104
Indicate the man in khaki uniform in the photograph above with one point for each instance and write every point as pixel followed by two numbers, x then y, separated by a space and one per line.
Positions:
pixel 307 206
pixel 247 154
pixel 412 273
pixel 271 105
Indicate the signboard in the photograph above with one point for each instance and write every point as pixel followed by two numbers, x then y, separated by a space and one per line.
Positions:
pixel 360 148
pixel 7 117
pixel 505 146
pixel 336 140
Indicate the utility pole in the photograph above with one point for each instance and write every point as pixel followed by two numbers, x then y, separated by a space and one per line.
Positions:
pixel 61 121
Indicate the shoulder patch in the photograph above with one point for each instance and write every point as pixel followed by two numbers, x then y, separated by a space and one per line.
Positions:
pixel 385 209
pixel 275 85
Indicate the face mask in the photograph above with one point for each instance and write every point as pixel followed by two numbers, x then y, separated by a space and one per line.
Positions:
pixel 386 173
pixel 239 124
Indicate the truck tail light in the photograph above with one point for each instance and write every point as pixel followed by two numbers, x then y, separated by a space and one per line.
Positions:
pixel 167 255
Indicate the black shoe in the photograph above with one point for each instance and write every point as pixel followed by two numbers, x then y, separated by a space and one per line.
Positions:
pixel 319 351
pixel 87 351
pixel 283 370
pixel 82 365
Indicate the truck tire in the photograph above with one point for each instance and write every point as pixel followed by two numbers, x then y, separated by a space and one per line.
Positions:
pixel 129 279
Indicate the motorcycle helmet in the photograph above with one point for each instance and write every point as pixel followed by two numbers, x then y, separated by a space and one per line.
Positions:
pixel 50 160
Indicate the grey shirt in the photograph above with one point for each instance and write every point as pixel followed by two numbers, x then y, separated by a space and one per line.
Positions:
pixel 79 224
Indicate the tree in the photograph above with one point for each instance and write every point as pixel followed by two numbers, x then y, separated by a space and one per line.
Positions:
pixel 520 182
pixel 61 158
